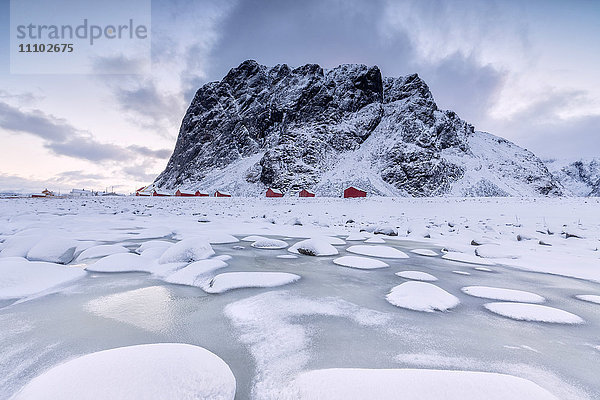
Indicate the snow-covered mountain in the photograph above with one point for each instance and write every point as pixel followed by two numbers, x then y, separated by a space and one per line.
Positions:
pixel 581 177
pixel 326 129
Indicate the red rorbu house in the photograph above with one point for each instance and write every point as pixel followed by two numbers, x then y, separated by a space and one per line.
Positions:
pixel 274 193
pixel 354 192
pixel 218 193
pixel 161 194
pixel 200 194
pixel 184 193
pixel 305 193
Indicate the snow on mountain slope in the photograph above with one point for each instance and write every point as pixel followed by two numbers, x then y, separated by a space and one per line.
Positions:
pixel 324 130
pixel 581 177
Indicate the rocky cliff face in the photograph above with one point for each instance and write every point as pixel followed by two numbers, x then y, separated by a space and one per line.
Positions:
pixel 323 130
pixel 580 177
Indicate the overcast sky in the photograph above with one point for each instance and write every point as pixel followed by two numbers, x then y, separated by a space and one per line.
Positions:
pixel 525 70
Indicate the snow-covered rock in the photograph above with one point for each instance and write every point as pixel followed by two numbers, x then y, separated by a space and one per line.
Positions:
pixel 533 312
pixel 377 251
pixel 466 258
pixel 494 293
pixel 417 276
pixel 360 262
pixel 187 250
pixel 197 273
pixel 19 245
pixel 122 262
pixel 592 298
pixel 236 280
pixel 22 278
pixel 425 252
pixel 252 238
pixel 421 296
pixel 269 244
pixel 150 244
pixel 314 247
pixel 147 371
pixel 375 239
pixel 411 384
pixel 101 251
pixel 356 237
pixel 53 249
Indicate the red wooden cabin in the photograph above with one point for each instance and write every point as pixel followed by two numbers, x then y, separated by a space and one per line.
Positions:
pixel 184 193
pixel 200 194
pixel 305 193
pixel 274 193
pixel 221 194
pixel 161 194
pixel 354 192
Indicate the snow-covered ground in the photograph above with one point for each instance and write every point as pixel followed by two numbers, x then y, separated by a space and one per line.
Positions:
pixel 341 318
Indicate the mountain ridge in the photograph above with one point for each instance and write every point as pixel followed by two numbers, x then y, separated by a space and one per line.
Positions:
pixel 323 130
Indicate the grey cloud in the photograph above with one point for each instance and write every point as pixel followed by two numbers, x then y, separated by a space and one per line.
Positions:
pixel 118 64
pixel 34 122
pixel 142 172
pixel 461 84
pixel 147 152
pixel 540 129
pixel 63 139
pixel 87 148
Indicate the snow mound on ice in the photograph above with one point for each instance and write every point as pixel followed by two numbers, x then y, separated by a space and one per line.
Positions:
pixel 314 247
pixel 193 273
pixel 21 278
pixel 496 251
pixel 483 269
pixel 360 262
pixel 377 251
pixel 417 276
pixel 421 296
pixel 461 272
pixel 187 250
pixel 122 262
pixel 494 293
pixel 412 384
pixel 253 238
pixel 269 244
pixel 151 244
pixel 220 238
pixel 148 371
pixel 53 249
pixel 425 252
pixel 466 258
pixel 236 280
pixel 19 245
pixel 102 251
pixel 154 253
pixel 592 298
pixel 332 240
pixel 533 312
pixel 356 236
pixel 375 239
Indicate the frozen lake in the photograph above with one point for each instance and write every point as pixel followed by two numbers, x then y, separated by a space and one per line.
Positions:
pixel 465 296
pixel 332 317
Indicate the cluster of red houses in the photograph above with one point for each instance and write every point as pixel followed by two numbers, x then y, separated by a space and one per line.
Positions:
pixel 349 192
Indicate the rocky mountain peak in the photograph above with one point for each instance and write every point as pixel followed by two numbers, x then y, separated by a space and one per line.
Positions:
pixel 307 127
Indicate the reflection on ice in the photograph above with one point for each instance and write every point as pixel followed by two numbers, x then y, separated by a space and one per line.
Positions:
pixel 149 308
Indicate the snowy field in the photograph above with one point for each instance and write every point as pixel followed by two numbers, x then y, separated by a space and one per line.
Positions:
pixel 245 298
